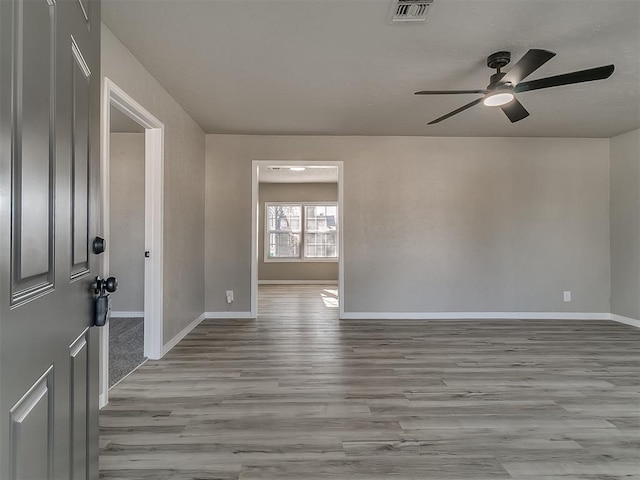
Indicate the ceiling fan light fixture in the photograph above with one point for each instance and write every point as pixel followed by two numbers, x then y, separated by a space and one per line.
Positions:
pixel 503 86
pixel 498 99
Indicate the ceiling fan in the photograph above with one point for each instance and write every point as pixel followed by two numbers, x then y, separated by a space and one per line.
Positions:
pixel 503 87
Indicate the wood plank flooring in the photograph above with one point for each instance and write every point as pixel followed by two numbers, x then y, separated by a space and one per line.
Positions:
pixel 298 394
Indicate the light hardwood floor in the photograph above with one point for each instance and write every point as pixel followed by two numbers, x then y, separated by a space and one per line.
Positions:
pixel 298 394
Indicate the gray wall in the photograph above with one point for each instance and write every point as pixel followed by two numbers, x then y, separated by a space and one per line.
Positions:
pixel 625 224
pixel 294 192
pixel 183 185
pixel 126 218
pixel 435 224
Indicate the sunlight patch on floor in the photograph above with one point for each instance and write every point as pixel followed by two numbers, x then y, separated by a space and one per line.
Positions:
pixel 330 298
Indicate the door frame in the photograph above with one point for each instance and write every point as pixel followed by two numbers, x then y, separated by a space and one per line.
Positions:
pixel 255 228
pixel 114 96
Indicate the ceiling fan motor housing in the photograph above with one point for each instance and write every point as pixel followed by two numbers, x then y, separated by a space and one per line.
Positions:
pixel 494 81
pixel 497 61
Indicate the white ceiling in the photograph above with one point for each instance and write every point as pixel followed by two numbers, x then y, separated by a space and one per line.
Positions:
pixel 337 67
pixel 283 174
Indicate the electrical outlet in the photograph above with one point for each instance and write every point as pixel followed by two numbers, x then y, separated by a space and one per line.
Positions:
pixel 567 296
pixel 229 296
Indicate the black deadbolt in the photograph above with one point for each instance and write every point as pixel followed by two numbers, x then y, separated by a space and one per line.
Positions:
pixel 98 245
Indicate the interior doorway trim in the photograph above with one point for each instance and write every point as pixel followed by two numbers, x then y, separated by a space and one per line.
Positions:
pixel 255 205
pixel 153 220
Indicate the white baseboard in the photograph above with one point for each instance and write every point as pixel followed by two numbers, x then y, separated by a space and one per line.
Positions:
pixel 228 315
pixel 474 315
pixel 183 333
pixel 626 320
pixel 297 282
pixel 125 314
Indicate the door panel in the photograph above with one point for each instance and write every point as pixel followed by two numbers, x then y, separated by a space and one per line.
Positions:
pixel 80 83
pixel 79 353
pixel 33 148
pixel 31 428
pixel 49 204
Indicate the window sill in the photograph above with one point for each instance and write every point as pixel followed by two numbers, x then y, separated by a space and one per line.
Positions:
pixel 300 260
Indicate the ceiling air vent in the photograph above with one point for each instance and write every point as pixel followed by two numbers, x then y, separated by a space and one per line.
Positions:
pixel 409 11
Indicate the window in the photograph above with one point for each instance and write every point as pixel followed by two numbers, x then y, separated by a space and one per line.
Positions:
pixel 320 231
pixel 305 232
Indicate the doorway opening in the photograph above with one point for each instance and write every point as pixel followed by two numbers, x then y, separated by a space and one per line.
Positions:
pixel 138 311
pixel 297 237
pixel 126 245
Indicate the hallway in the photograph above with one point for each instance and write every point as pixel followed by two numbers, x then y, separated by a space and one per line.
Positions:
pixel 297 394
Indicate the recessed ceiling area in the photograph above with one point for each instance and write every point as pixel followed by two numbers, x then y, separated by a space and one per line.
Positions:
pixel 326 67
pixel 297 173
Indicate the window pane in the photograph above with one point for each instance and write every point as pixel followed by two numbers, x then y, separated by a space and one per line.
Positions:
pixel 284 217
pixel 321 236
pixel 283 225
pixel 284 245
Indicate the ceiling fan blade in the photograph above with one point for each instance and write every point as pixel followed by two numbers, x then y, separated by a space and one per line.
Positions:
pixel 449 92
pixel 589 75
pixel 515 111
pixel 528 64
pixel 455 112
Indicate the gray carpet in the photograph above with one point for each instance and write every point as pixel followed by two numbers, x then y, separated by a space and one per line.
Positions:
pixel 126 347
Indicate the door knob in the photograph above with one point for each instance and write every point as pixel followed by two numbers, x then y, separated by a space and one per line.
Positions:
pixel 111 284
pixel 102 309
pixel 101 284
